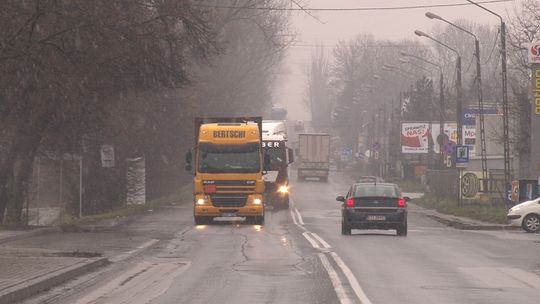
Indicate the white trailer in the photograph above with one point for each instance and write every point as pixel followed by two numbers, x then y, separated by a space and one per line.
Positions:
pixel 313 156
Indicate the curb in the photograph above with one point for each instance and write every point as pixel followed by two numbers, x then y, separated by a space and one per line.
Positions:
pixel 31 233
pixel 466 226
pixel 33 286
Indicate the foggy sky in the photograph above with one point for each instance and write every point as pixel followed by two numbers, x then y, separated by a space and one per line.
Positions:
pixel 336 26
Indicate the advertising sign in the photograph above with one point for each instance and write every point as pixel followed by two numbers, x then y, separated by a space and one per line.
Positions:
pixel 535 121
pixel 415 137
pixel 534 52
pixel 536 88
pixel 470 113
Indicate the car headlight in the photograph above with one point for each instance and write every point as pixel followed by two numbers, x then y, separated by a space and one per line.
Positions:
pixel 283 189
pixel 201 202
pixel 257 201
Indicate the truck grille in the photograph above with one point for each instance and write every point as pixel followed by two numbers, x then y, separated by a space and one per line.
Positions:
pixel 232 186
pixel 228 200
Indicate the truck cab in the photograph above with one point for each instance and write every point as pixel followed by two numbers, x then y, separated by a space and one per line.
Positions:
pixel 228 165
pixel 277 177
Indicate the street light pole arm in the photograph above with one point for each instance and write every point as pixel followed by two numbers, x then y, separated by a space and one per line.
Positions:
pixel 445 45
pixel 486 9
pixel 460 28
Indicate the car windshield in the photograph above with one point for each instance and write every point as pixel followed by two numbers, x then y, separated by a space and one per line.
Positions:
pixel 229 158
pixel 380 190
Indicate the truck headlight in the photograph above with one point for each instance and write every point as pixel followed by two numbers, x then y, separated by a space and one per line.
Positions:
pixel 283 189
pixel 257 201
pixel 201 202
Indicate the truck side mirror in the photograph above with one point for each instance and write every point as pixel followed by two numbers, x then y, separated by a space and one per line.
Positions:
pixel 188 168
pixel 266 162
pixel 290 155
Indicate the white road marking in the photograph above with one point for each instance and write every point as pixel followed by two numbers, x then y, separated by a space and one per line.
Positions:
pixel 293 217
pixel 311 240
pixel 300 220
pixel 323 242
pixel 334 278
pixel 352 279
pixel 336 282
pixel 127 255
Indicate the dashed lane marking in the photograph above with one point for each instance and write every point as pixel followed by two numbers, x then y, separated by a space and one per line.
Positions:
pixel 300 219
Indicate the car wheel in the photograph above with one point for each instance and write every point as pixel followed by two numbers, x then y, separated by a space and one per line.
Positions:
pixel 345 229
pixel 531 223
pixel 402 230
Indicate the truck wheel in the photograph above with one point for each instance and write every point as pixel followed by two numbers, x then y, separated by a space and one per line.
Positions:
pixel 345 229
pixel 402 229
pixel 203 220
pixel 285 204
pixel 255 220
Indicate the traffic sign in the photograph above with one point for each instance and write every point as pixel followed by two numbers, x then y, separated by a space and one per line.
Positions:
pixel 462 156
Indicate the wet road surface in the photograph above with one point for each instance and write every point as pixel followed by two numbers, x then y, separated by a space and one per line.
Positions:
pixel 299 256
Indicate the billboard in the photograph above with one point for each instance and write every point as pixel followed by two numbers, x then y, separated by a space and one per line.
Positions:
pixel 415 137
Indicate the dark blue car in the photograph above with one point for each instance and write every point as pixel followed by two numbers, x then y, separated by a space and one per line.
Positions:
pixel 374 206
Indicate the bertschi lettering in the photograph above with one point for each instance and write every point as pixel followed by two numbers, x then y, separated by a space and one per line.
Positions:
pixel 229 134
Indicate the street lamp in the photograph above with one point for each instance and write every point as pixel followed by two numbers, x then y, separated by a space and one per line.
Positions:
pixel 506 138
pixel 441 102
pixel 458 84
pixel 483 152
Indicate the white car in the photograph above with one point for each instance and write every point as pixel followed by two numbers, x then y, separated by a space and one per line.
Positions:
pixel 526 215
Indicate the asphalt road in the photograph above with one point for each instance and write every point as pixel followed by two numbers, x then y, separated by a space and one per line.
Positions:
pixel 299 256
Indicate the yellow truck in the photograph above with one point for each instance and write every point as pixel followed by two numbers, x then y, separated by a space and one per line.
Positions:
pixel 228 164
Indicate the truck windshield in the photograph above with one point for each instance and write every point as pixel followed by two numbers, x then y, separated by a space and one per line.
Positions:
pixel 278 158
pixel 229 158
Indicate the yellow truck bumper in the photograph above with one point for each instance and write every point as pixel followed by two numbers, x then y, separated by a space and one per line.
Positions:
pixel 249 209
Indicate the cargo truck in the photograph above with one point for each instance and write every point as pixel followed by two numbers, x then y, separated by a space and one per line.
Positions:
pixel 313 156
pixel 276 179
pixel 228 164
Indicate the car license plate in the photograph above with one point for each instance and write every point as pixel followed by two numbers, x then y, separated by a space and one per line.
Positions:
pixel 376 218
pixel 228 214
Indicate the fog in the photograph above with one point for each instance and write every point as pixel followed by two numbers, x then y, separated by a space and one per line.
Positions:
pixel 329 27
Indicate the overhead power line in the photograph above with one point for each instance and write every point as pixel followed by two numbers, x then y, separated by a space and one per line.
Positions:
pixel 331 9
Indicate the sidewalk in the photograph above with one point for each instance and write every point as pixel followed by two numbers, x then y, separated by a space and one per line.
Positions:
pixel 38 259
pixel 460 222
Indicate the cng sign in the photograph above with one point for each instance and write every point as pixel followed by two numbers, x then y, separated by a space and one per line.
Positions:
pixel 534 52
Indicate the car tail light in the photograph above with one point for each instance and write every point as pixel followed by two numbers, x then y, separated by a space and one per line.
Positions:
pixel 350 202
pixel 401 203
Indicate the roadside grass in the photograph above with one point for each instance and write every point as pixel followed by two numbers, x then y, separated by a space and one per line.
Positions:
pixel 184 194
pixel 495 214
